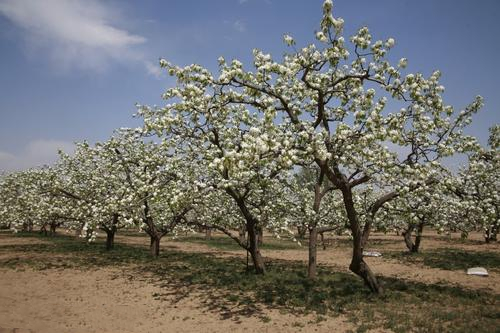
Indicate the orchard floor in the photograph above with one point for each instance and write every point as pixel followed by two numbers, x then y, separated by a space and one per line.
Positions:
pixel 62 284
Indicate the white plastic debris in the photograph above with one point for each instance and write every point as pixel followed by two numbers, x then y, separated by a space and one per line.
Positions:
pixel 371 254
pixel 477 271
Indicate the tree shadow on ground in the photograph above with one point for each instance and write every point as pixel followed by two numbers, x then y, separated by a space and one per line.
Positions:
pixel 451 259
pixel 225 287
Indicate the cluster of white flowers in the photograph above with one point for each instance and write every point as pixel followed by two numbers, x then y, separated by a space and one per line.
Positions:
pixel 229 145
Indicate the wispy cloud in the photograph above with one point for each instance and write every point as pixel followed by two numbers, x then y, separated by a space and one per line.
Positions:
pixel 239 26
pixel 36 153
pixel 242 1
pixel 75 33
pixel 153 69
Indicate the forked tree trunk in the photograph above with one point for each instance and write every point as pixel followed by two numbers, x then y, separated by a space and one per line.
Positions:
pixel 53 227
pixel 413 247
pixel 313 240
pixel 358 266
pixel 43 229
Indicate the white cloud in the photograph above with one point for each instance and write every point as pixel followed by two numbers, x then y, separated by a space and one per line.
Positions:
pixel 36 153
pixel 74 33
pixel 239 26
pixel 153 69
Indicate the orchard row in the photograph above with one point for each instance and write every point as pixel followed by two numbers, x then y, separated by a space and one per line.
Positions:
pixel 332 137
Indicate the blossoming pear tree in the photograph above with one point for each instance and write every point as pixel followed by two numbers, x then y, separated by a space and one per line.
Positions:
pixel 92 179
pixel 17 208
pixel 329 103
pixel 244 156
pixel 313 206
pixel 27 200
pixel 476 190
pixel 162 185
pixel 420 208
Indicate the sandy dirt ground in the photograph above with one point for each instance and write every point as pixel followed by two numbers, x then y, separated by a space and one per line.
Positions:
pixel 108 300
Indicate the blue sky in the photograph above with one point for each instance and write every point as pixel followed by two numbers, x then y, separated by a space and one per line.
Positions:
pixel 73 70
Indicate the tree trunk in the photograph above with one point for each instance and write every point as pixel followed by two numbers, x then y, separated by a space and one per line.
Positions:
pixel 413 247
pixel 407 236
pixel 53 227
pixel 418 237
pixel 322 235
pixel 110 238
pixel 154 247
pixel 358 266
pixel 491 234
pixel 260 236
pixel 313 239
pixel 253 248
pixel 208 233
pixel 43 229
pixel 301 231
pixel 242 234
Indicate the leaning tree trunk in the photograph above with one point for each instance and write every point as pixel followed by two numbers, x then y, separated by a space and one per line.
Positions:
pixel 358 266
pixel 313 240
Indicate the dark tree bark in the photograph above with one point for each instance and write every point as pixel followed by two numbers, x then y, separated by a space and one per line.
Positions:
pixel 242 234
pixel 491 234
pixel 208 233
pixel 53 227
pixel 358 266
pixel 253 249
pixel 260 235
pixel 110 233
pixel 27 226
pixel 154 246
pixel 413 247
pixel 43 229
pixel 252 226
pixel 323 244
pixel 312 264
pixel 110 239
pixel 301 231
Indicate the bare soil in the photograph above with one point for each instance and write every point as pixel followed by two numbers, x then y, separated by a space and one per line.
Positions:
pixel 109 300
